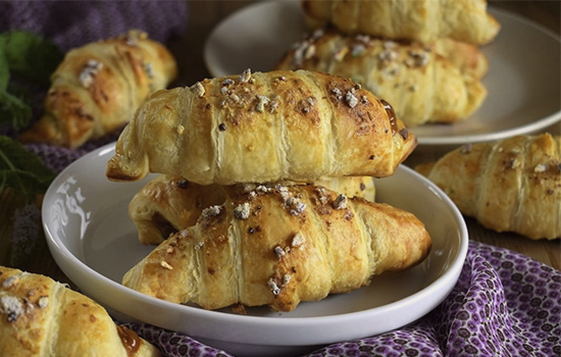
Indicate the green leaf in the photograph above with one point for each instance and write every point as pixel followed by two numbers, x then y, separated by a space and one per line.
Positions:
pixel 22 170
pixel 14 111
pixel 4 71
pixel 30 55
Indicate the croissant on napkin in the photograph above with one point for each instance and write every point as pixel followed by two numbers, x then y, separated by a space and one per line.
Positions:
pixel 421 20
pixel 262 127
pixel 41 317
pixel 167 204
pixel 278 246
pixel 98 87
pixel 509 185
pixel 424 83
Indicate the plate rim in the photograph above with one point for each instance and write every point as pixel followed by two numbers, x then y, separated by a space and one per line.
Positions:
pixel 59 249
pixel 424 140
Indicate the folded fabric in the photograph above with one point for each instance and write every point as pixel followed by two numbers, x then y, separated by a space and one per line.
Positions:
pixel 73 23
pixel 504 304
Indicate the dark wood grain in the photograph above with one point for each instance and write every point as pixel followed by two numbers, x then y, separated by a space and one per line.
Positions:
pixel 204 15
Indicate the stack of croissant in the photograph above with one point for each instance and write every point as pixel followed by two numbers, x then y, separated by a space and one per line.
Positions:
pixel 421 55
pixel 266 193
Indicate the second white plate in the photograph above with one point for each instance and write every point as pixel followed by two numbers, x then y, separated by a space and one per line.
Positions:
pixel 523 79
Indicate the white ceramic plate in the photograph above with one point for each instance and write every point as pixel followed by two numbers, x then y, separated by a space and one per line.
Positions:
pixel 523 80
pixel 94 243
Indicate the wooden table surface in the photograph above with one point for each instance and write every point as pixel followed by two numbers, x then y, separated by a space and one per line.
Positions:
pixel 204 15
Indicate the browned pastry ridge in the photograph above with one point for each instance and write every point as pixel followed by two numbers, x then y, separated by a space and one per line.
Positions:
pixel 280 246
pixel 167 205
pixel 40 317
pixel 509 185
pixel 421 20
pixel 98 87
pixel 424 83
pixel 262 127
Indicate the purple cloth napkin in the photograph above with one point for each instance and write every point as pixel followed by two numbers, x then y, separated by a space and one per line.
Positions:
pixel 74 23
pixel 504 304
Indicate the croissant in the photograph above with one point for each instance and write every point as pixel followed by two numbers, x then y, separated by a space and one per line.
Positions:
pixel 279 246
pixel 167 205
pixel 98 87
pixel 263 127
pixel 41 317
pixel 510 185
pixel 422 84
pixel 420 20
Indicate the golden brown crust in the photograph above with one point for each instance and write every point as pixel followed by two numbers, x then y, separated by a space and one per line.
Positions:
pixel 273 126
pixel 421 20
pixel 510 185
pixel 424 83
pixel 279 246
pixel 167 205
pixel 40 317
pixel 98 87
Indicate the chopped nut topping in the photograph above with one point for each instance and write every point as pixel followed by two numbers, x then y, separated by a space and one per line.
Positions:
pixel 363 38
pixel 224 90
pixel 540 168
pixel 351 99
pixel 340 54
pixel 420 58
pixel 43 302
pixel 387 55
pixel 263 189
pixel 340 202
pixel 286 279
pixel 466 149
pixel 271 283
pixel 180 128
pixel 512 163
pixel 389 44
pixel 295 206
pixel 199 89
pixel 235 98
pixel 211 211
pixel 222 127
pixel 242 211
pixel 364 99
pixel 281 78
pixel 170 250
pixel 166 265
pixel 248 187
pixel 358 49
pixel 321 195
pixel 10 281
pixel 297 240
pixel 149 70
pixel 12 307
pixel 227 82
pixel 261 102
pixel 274 106
pixel 245 76
pixel 90 70
pixel 338 93
pixel 311 100
pixel 310 51
pixel 279 252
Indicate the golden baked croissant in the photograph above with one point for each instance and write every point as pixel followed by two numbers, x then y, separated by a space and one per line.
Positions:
pixel 421 84
pixel 466 57
pixel 510 185
pixel 167 204
pixel 421 20
pixel 278 247
pixel 41 317
pixel 262 127
pixel 98 87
